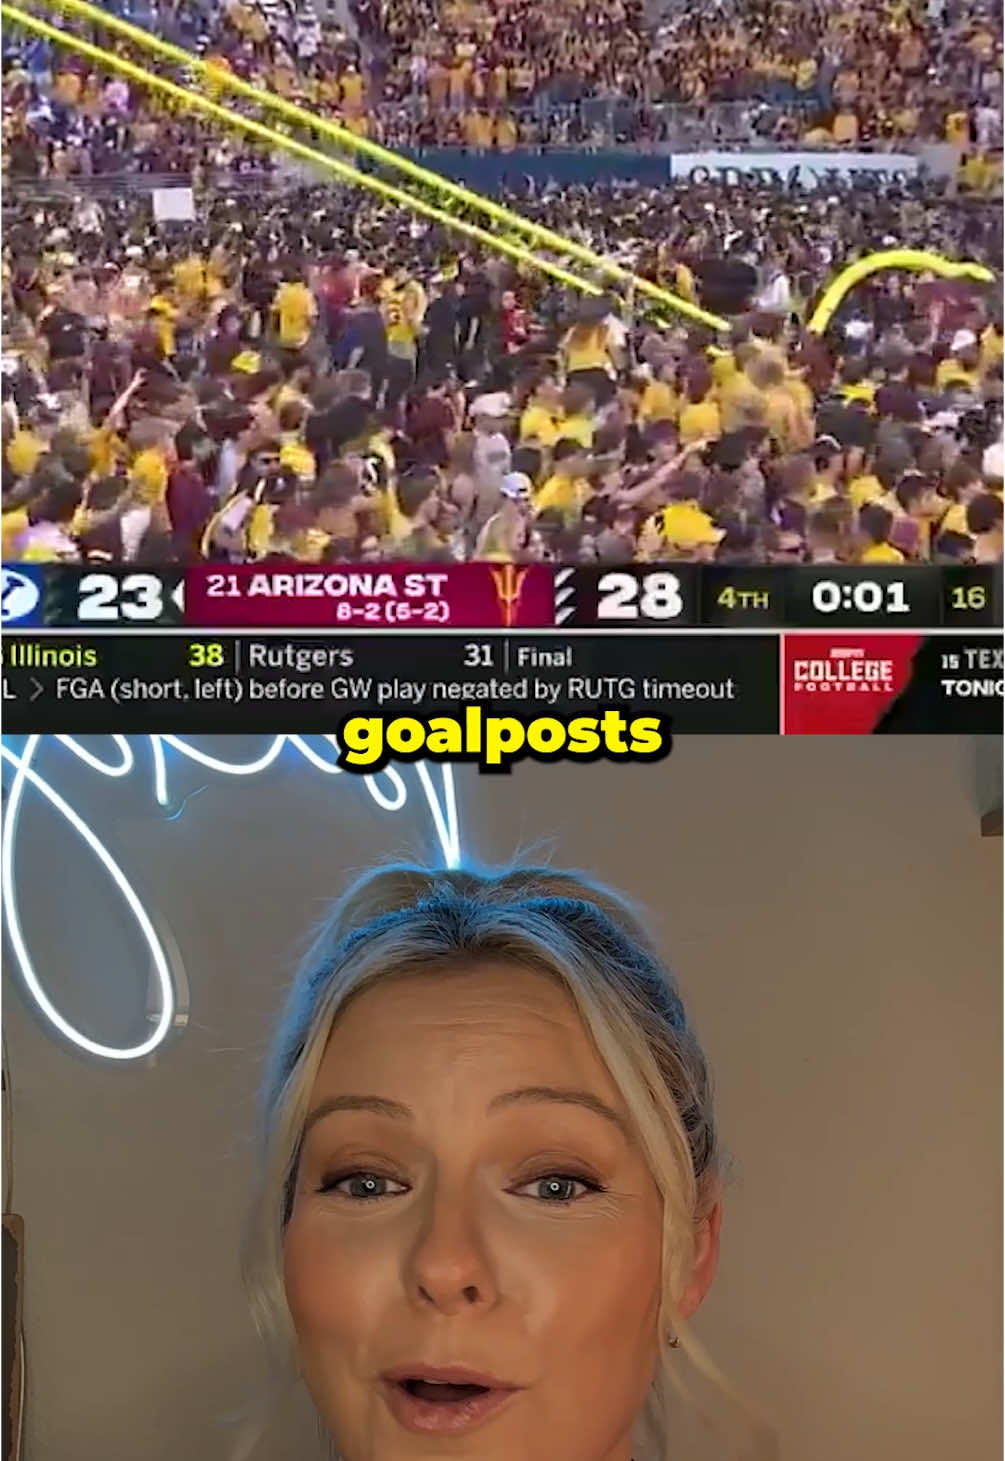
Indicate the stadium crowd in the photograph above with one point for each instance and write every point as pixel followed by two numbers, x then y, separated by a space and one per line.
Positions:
pixel 866 72
pixel 873 74
pixel 333 382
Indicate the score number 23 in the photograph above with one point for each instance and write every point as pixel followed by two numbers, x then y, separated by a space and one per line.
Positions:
pixel 626 596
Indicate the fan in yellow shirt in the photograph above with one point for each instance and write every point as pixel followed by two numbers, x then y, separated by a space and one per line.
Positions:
pixel 741 400
pixel 660 401
pixel 404 308
pixel 164 314
pixel 23 452
pixel 352 89
pixel 540 420
pixel 297 458
pixel 189 279
pixel 787 426
pixel 802 397
pixel 806 73
pixel 881 553
pixel 567 490
pixel 291 390
pixel 264 531
pixel 589 348
pixel 577 420
pixel 958 128
pixel 853 382
pixel 673 272
pixel 539 425
pixel 724 368
pixel 586 347
pixel 479 130
pixel 700 418
pixel 865 489
pixel 295 309
pixel 68 86
pixel 962 364
pixel 214 84
pixel 875 523
pixel 506 132
pixel 107 450
pixel 991 347
pixel 293 453
pixel 149 475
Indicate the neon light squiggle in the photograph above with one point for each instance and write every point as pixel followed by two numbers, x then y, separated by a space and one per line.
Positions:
pixel 165 1018
pixel 388 790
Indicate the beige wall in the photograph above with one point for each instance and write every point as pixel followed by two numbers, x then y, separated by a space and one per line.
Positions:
pixel 835 921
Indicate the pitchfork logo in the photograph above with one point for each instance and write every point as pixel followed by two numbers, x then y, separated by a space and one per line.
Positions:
pixel 508 583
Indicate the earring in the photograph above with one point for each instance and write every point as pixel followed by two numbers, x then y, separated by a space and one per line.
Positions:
pixel 673 1341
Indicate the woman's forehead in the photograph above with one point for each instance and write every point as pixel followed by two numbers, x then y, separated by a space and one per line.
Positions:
pixel 496 996
pixel 487 1021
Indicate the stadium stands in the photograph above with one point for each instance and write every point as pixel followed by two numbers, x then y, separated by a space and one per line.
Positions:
pixel 299 370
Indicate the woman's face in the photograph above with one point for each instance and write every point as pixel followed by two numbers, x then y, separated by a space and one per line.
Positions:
pixel 470 1196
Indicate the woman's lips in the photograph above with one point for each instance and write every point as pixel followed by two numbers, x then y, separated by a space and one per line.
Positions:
pixel 459 1406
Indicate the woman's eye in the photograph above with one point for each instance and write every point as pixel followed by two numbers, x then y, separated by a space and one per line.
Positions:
pixel 363 1186
pixel 558 1187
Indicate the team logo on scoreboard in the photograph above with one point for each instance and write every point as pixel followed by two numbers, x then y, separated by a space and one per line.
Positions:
pixel 509 582
pixel 20 596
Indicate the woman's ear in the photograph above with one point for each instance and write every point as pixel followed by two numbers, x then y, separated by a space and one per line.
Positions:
pixel 706 1262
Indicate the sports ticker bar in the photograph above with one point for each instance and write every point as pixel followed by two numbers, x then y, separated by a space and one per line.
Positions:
pixel 799 683
pixel 484 596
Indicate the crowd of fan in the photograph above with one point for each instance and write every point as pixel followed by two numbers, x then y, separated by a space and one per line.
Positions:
pixel 867 72
pixel 874 74
pixel 335 385
pixel 80 122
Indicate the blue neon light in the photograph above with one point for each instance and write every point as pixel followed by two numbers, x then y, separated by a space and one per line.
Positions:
pixel 388 789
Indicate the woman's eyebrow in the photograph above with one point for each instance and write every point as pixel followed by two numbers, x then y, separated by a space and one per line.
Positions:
pixel 559 1095
pixel 378 1105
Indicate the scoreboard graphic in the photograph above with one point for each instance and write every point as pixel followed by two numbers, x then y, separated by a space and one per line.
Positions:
pixel 405 597
pixel 711 649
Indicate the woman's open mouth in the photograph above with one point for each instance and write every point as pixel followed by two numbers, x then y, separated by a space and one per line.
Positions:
pixel 441 1403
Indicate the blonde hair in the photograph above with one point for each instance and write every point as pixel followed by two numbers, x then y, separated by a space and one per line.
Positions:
pixel 406 920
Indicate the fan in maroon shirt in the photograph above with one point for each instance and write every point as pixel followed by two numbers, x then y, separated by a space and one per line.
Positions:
pixel 513 327
pixel 189 500
pixel 430 421
pixel 952 304
pixel 338 287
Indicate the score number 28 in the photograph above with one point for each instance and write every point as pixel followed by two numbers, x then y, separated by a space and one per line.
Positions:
pixel 648 596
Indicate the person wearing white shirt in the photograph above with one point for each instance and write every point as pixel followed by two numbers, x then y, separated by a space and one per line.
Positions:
pixel 492 457
pixel 776 296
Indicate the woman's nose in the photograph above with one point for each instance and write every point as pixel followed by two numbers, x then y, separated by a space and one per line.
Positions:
pixel 449 1266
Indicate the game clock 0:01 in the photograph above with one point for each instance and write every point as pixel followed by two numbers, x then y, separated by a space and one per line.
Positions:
pixel 865 597
pixel 850 596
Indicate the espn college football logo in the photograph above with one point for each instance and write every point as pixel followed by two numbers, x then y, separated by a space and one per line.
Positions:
pixel 842 685
pixel 843 669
